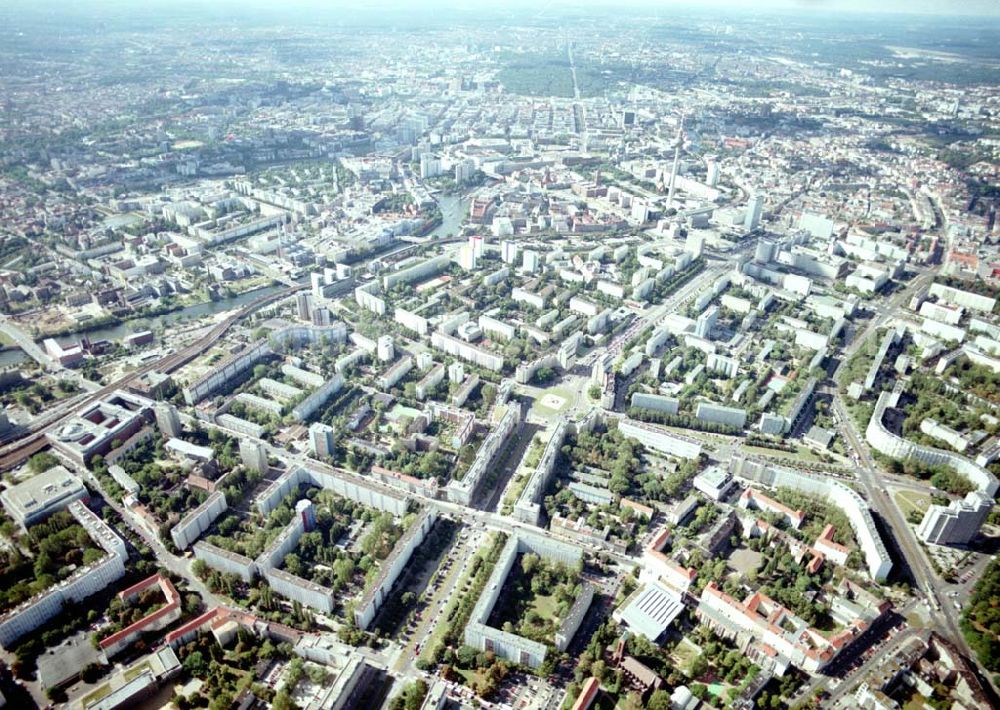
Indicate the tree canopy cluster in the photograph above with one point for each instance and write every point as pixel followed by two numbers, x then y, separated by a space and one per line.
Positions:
pixel 981 618
pixel 56 547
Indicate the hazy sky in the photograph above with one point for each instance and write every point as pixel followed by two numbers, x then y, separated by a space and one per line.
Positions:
pixel 942 7
pixel 952 7
pixel 946 7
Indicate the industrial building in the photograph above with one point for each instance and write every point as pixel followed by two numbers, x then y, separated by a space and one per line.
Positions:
pixel 40 496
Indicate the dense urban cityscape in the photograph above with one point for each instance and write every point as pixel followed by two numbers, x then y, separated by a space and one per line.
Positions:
pixel 530 357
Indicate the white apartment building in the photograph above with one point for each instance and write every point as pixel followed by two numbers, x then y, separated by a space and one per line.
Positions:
pixel 321 440
pixel 718 414
pixel 465 351
pixel 84 582
pixel 192 525
pixel 655 402
pixel 958 522
pixel 660 439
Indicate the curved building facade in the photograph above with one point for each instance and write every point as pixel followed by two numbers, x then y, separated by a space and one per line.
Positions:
pixel 959 522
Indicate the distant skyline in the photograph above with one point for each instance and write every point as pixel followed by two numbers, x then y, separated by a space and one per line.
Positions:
pixel 989 8
pixel 923 7
pixel 929 7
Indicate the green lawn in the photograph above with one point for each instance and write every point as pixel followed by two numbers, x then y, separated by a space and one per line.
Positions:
pixel 916 701
pixel 135 671
pixel 515 489
pixel 708 437
pixel 545 606
pixel 568 399
pixel 469 676
pixel 802 453
pixel 441 628
pixel 402 411
pixel 685 652
pixel 909 501
pixel 764 451
pixel 98 693
pixel 807 454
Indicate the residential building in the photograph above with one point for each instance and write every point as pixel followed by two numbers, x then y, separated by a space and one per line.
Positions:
pixel 842 496
pixel 774 637
pixel 82 583
pixel 321 440
pixel 385 350
pixel 477 356
pixel 168 420
pixel 755 206
pixel 660 439
pixel 755 500
pixel 392 566
pixel 706 322
pixel 391 377
pixel 254 455
pixel 160 618
pixel 192 525
pixel 505 644
pixel 718 414
pixel 958 522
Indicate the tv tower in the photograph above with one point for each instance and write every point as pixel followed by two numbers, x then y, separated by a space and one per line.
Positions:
pixel 677 159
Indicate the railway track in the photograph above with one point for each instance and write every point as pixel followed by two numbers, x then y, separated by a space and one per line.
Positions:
pixel 14 454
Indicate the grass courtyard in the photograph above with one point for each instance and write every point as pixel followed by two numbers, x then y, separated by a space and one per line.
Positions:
pixel 537 594
pixel 684 654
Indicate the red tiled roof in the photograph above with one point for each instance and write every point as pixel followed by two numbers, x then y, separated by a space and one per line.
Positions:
pixel 173 603
pixel 586 697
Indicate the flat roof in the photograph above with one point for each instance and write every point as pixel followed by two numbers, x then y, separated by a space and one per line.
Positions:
pixel 186 448
pixel 63 662
pixel 39 491
pixel 715 476
pixel 652 610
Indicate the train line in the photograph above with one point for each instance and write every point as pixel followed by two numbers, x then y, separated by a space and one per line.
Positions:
pixel 14 454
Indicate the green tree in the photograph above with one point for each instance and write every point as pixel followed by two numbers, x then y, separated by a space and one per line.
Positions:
pixel 195 665
pixel 42 461
pixel 529 563
pixel 282 701
pixel 699 666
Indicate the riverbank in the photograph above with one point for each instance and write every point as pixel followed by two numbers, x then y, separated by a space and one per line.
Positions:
pixel 148 320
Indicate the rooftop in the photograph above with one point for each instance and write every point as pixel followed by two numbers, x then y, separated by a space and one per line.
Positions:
pixel 651 610
pixel 41 491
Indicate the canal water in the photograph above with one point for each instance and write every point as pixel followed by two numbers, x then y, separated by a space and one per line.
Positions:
pixel 454 208
pixel 15 356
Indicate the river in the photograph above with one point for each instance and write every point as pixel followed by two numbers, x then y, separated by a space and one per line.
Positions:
pixel 454 209
pixel 15 356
